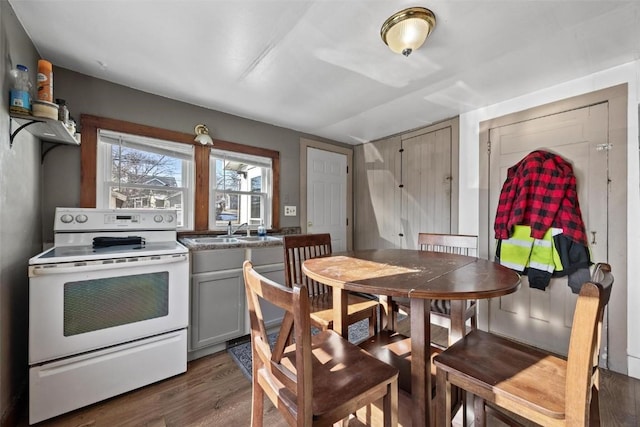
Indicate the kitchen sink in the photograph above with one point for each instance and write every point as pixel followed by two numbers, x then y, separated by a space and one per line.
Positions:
pixel 210 240
pixel 258 239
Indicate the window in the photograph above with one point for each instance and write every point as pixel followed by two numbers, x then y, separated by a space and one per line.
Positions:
pixel 240 189
pixel 176 172
pixel 140 172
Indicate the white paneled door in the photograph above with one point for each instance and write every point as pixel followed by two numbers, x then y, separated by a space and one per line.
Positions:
pixel 326 195
pixel 543 318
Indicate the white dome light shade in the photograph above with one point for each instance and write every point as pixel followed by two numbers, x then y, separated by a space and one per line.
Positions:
pixel 408 29
pixel 202 135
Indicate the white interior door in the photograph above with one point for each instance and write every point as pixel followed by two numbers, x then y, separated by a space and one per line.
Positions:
pixel 543 318
pixel 326 195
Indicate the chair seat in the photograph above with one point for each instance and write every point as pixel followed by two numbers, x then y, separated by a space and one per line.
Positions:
pixel 321 307
pixel 500 369
pixel 394 349
pixel 330 352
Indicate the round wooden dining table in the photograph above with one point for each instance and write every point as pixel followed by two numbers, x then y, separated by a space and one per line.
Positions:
pixel 420 276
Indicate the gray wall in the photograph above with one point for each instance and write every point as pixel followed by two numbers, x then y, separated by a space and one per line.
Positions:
pixel 20 231
pixel 87 95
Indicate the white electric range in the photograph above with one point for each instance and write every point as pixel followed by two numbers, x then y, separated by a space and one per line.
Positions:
pixel 108 307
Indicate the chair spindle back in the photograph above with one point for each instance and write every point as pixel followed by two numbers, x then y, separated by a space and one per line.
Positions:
pixel 297 249
pixel 460 244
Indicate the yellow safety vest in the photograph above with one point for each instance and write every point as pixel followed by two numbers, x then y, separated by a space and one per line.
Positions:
pixel 522 251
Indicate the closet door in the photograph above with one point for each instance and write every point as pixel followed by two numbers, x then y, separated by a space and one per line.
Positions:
pixel 544 318
pixel 377 194
pixel 405 185
pixel 427 184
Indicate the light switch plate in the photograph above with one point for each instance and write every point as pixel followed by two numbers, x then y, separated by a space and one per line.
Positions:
pixel 289 211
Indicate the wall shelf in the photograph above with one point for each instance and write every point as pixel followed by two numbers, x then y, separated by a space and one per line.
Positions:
pixel 48 130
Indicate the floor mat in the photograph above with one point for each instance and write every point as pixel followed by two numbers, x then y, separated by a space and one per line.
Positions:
pixel 241 353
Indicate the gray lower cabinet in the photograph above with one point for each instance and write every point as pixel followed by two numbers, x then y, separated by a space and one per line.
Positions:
pixel 272 315
pixel 218 305
pixel 217 309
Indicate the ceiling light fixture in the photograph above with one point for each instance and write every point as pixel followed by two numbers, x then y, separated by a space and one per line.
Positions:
pixel 202 135
pixel 406 31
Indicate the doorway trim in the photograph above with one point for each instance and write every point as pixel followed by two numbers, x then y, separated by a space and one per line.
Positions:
pixel 309 143
pixel 616 97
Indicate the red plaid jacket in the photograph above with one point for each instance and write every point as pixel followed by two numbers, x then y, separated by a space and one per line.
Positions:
pixel 540 191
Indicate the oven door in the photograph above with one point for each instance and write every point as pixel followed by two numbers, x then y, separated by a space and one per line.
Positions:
pixel 84 306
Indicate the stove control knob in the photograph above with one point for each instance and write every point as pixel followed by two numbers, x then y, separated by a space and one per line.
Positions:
pixel 82 218
pixel 169 218
pixel 157 218
pixel 66 218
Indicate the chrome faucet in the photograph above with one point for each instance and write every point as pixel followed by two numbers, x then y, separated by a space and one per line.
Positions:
pixel 231 231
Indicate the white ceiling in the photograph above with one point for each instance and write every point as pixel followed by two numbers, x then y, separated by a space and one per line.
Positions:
pixel 320 67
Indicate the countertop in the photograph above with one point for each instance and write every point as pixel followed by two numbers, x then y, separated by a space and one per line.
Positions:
pixel 202 243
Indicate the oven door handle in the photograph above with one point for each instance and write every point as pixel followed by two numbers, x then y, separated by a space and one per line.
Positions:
pixel 97 266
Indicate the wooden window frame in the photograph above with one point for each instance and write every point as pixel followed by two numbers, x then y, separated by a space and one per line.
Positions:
pixel 89 156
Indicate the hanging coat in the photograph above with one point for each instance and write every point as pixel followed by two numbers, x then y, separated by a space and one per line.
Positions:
pixel 541 192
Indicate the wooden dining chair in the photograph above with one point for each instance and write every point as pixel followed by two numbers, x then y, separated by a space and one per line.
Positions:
pixel 539 386
pixel 461 244
pixel 297 249
pixel 319 380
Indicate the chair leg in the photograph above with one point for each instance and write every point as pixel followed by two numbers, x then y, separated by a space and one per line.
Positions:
pixel 390 405
pixel 594 407
pixel 443 399
pixel 373 323
pixel 479 414
pixel 474 322
pixel 388 316
pixel 257 403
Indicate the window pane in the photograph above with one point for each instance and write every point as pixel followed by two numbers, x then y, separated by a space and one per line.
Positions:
pixel 129 165
pixel 227 208
pixel 139 172
pixel 256 184
pixel 241 191
pixel 256 207
pixel 228 178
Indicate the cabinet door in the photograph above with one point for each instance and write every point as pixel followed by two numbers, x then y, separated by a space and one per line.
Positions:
pixel 270 263
pixel 217 307
pixel 272 315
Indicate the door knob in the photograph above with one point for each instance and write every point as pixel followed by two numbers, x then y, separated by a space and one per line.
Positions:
pixel 309 224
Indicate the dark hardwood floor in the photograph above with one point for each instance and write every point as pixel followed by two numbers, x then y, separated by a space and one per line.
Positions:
pixel 214 392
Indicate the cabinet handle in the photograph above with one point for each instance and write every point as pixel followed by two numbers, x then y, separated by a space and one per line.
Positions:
pixel 593 240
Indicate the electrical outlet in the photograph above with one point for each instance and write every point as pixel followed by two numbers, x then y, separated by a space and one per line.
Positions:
pixel 289 211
